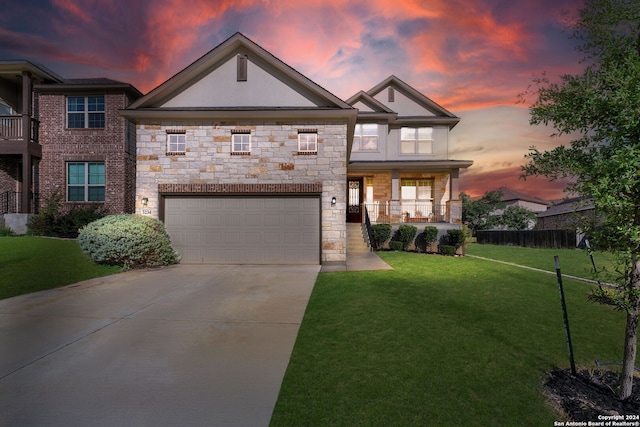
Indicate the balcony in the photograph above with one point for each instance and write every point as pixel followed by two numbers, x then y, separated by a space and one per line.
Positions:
pixel 399 212
pixel 19 135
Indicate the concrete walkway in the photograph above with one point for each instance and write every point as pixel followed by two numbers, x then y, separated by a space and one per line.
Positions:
pixel 182 346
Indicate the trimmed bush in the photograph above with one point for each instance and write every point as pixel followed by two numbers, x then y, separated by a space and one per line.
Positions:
pixel 447 250
pixel 395 245
pixel 6 232
pixel 405 234
pixel 455 238
pixel 130 241
pixel 381 233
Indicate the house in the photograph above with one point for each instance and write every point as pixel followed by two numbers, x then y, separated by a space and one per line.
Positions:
pixel 400 165
pixel 511 197
pixel 568 214
pixel 248 161
pixel 244 159
pixel 63 135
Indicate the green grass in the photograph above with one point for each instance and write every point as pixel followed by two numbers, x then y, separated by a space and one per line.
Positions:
pixel 574 262
pixel 438 341
pixel 30 264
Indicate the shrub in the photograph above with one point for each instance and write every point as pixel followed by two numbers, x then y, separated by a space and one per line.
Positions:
pixel 131 241
pixel 425 239
pixel 396 245
pixel 447 250
pixel 6 232
pixel 381 233
pixel 405 234
pixel 54 223
pixel 455 238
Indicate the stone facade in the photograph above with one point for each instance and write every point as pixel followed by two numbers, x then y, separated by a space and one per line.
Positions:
pixel 273 163
pixel 114 145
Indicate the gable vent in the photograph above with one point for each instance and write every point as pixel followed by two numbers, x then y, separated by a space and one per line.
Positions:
pixel 392 95
pixel 242 68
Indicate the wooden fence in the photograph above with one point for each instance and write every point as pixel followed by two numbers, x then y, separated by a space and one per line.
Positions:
pixel 529 238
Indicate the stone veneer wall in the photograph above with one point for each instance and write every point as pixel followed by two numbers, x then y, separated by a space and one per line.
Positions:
pixel 274 160
pixel 114 145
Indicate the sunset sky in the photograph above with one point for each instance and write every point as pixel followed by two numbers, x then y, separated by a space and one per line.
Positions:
pixel 472 57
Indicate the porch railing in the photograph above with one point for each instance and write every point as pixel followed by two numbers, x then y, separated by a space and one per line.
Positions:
pixel 10 202
pixel 406 212
pixel 12 128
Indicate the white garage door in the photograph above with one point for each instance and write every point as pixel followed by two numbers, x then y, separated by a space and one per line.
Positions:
pixel 245 230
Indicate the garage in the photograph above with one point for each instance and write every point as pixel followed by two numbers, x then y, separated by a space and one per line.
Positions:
pixel 244 229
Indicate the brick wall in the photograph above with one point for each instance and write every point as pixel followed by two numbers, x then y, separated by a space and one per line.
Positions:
pixel 208 163
pixel 110 145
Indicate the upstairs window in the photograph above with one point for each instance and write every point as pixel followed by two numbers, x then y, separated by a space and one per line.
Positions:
pixel 308 141
pixel 85 112
pixel 85 181
pixel 365 137
pixel 176 142
pixel 240 142
pixel 416 140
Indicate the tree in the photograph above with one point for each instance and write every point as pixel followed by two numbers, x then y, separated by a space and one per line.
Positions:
pixel 517 218
pixel 478 214
pixel 600 108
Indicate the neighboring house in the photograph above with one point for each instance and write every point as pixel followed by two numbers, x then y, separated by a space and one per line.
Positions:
pixel 63 135
pixel 569 214
pixel 400 165
pixel 512 197
pixel 248 161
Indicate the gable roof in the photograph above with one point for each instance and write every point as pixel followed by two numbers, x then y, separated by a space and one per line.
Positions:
pixel 440 114
pixel 239 43
pixel 509 194
pixel 375 106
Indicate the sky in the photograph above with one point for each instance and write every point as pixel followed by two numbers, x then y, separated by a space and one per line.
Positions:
pixel 473 57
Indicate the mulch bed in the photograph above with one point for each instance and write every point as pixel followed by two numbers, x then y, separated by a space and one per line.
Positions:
pixel 589 394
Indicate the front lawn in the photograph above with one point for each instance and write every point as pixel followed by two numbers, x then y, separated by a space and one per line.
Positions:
pixel 438 341
pixel 30 264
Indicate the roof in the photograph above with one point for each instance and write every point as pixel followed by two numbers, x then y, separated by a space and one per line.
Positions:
pixel 89 84
pixel 10 69
pixel 567 206
pixel 509 194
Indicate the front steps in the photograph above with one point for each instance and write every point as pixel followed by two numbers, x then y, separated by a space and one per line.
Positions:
pixel 356 242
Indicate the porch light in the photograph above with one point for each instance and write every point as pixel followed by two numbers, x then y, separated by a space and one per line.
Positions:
pixel 145 201
pixel 333 201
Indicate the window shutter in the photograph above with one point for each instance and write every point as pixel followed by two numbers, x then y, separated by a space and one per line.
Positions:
pixel 242 68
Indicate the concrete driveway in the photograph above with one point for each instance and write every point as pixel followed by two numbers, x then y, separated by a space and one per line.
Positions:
pixel 187 345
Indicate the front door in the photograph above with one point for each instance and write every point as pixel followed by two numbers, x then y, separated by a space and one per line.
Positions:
pixel 354 197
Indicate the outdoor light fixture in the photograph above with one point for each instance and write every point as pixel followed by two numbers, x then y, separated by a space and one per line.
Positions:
pixel 145 201
pixel 333 201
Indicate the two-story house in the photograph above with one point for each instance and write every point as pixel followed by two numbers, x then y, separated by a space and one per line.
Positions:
pixel 400 167
pixel 248 161
pixel 66 136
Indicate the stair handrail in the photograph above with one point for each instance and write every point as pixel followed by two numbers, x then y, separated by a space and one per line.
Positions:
pixel 367 223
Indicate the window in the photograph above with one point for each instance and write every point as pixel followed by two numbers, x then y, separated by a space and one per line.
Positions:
pixel 365 137
pixel 85 112
pixel 241 142
pixel 307 141
pixel 416 189
pixel 85 181
pixel 416 140
pixel 176 142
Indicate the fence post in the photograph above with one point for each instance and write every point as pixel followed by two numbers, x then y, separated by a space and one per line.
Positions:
pixel 565 316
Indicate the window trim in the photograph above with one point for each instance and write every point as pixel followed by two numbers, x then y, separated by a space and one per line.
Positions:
pixel 358 137
pixel 176 133
pixel 86 185
pixel 240 132
pixel 305 132
pixel 86 112
pixel 416 140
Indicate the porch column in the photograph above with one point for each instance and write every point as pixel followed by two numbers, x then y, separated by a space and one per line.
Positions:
pixel 454 187
pixel 27 100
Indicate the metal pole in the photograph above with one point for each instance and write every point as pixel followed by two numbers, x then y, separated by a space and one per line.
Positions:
pixel 566 317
